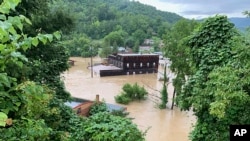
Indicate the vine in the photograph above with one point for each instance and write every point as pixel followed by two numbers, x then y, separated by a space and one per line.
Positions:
pixel 212 91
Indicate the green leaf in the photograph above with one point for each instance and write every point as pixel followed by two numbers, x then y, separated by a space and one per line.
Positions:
pixel 12 30
pixel 42 38
pixel 25 19
pixel 4 79
pixel 57 34
pixel 49 37
pixel 35 41
pixel 3 118
pixel 2 47
pixel 2 17
pixel 16 22
pixel 7 5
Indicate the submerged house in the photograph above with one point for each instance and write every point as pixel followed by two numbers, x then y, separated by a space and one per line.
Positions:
pixel 82 106
pixel 132 64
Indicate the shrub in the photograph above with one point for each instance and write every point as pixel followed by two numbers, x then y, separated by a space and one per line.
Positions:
pixel 131 92
pixel 120 113
pixel 98 107
pixel 107 127
pixel 122 98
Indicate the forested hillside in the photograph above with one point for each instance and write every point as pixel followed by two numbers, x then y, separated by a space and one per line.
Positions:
pixel 241 23
pixel 114 23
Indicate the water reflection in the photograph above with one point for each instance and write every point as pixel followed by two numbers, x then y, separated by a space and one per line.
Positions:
pixel 165 125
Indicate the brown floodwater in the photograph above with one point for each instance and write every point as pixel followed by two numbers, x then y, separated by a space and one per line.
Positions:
pixel 162 125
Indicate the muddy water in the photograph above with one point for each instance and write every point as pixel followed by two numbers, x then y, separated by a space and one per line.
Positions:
pixel 162 125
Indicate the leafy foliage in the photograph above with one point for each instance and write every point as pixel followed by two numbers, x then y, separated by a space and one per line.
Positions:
pixel 210 48
pixel 131 92
pixel 178 52
pixel 217 90
pixel 23 101
pixel 36 109
pixel 164 93
pixel 98 107
pixel 104 126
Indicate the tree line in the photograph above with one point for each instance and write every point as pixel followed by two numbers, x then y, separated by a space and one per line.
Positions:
pixel 114 23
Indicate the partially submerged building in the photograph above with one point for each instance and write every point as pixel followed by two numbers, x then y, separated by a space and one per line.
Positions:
pixel 82 106
pixel 132 64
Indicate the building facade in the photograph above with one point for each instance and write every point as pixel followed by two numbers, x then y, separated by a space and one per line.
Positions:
pixel 132 64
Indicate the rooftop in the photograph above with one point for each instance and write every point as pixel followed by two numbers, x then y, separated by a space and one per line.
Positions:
pixel 138 54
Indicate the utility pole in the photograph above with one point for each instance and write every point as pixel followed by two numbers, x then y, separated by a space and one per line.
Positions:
pixel 91 62
pixel 172 106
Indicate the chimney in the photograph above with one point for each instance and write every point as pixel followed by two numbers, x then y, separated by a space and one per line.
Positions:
pixel 97 98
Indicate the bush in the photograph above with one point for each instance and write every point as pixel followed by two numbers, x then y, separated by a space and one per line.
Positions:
pixel 122 98
pixel 98 107
pixel 131 92
pixel 120 113
pixel 107 127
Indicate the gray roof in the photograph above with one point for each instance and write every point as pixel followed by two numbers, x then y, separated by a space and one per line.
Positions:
pixel 138 54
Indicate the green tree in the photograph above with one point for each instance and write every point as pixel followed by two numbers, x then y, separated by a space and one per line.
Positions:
pixel 30 107
pixel 139 35
pixel 130 42
pixel 116 37
pixel 247 13
pixel 164 93
pixel 163 29
pixel 131 92
pixel 178 52
pixel 156 44
pixel 106 50
pixel 105 126
pixel 136 48
pixel 46 61
pixel 115 48
pixel 78 45
pixel 215 91
pixel 21 100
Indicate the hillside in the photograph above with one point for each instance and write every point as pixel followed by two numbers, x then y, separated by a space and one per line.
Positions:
pixel 118 23
pixel 147 10
pixel 97 18
pixel 241 23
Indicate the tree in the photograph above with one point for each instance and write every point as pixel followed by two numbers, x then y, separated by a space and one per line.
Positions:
pixel 130 93
pixel 164 93
pixel 115 48
pixel 247 13
pixel 139 35
pixel 46 62
pixel 116 37
pixel 163 29
pixel 113 125
pixel 29 110
pixel 129 42
pixel 106 50
pixel 105 126
pixel 178 52
pixel 22 101
pixel 136 48
pixel 156 44
pixel 78 45
pixel 212 91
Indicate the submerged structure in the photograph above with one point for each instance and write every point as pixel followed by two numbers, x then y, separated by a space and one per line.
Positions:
pixel 82 106
pixel 132 64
